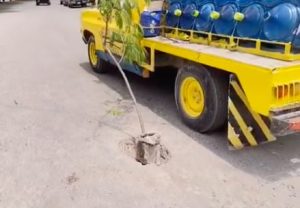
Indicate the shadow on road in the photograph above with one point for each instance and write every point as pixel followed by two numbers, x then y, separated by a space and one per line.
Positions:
pixel 270 162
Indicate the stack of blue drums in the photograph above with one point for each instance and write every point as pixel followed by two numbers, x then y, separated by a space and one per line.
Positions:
pixel 272 20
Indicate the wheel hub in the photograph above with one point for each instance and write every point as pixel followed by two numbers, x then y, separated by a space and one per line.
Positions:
pixel 192 97
pixel 93 54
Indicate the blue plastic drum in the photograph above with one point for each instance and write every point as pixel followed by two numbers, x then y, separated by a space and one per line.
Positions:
pixel 281 22
pixel 273 3
pixel 220 3
pixel 225 24
pixel 189 15
pixel 296 39
pixel 150 21
pixel 204 22
pixel 245 3
pixel 171 19
pixel 251 26
pixel 202 2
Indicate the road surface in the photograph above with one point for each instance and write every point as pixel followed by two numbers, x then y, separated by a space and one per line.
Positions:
pixel 61 126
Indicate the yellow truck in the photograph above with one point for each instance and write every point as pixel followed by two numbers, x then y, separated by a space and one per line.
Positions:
pixel 258 97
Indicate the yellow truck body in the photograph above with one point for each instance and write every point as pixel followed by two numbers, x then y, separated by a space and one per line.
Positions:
pixel 263 93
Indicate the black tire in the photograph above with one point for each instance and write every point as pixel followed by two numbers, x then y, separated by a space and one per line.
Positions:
pixel 101 66
pixel 83 5
pixel 61 3
pixel 214 85
pixel 37 3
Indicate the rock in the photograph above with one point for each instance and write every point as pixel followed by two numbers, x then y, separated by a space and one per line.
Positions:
pixel 147 149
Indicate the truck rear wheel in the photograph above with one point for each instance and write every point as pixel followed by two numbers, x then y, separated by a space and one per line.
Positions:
pixel 201 97
pixel 98 65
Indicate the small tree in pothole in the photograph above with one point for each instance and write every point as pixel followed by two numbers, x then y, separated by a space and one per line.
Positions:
pixel 128 35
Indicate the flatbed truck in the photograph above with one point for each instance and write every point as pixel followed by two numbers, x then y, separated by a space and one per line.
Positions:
pixel 257 97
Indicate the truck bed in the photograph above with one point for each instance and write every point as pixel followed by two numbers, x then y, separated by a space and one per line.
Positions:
pixel 164 44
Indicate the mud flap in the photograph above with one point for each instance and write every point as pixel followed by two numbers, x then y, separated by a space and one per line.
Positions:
pixel 246 128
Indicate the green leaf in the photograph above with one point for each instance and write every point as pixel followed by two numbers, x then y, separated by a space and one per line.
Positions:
pixel 129 33
pixel 119 20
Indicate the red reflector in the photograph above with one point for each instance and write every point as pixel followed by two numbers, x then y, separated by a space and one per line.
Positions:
pixel 295 126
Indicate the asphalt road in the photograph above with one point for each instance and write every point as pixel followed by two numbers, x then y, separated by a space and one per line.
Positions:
pixel 59 143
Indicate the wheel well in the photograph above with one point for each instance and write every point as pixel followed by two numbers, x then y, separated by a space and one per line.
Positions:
pixel 164 59
pixel 87 34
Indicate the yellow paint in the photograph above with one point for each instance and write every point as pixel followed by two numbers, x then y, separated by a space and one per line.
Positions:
pixel 196 13
pixel 91 21
pixel 141 6
pixel 192 97
pixel 287 56
pixel 178 12
pixel 239 17
pixel 245 129
pixel 178 35
pixel 234 138
pixel 215 15
pixel 255 115
pixel 286 87
pixel 92 53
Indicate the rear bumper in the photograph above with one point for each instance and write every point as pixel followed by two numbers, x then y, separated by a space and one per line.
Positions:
pixel 285 123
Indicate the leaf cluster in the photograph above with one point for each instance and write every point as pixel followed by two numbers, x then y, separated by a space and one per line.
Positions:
pixel 129 32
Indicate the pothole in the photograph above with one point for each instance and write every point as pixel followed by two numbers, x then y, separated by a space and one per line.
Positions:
pixel 146 149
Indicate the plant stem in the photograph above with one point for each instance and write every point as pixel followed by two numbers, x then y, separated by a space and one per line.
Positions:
pixel 140 117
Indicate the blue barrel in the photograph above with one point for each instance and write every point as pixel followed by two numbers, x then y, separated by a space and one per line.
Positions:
pixel 189 15
pixel 245 3
pixel 273 3
pixel 281 23
pixel 173 17
pixel 219 3
pixel 202 2
pixel 226 23
pixel 252 23
pixel 151 20
pixel 204 21
pixel 296 39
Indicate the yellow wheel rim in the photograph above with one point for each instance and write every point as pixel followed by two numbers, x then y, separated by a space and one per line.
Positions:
pixel 92 53
pixel 192 97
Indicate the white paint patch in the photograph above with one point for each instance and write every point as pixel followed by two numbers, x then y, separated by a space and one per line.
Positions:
pixel 295 160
